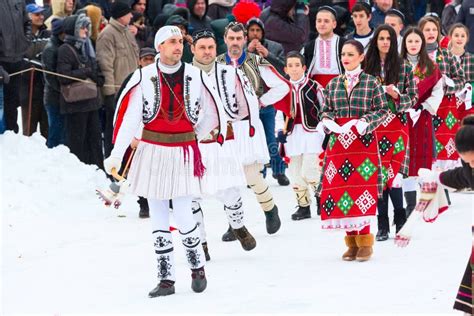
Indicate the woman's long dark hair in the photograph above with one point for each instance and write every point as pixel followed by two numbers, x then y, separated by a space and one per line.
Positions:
pixel 392 61
pixel 424 61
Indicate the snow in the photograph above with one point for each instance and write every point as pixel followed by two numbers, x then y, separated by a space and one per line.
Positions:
pixel 63 252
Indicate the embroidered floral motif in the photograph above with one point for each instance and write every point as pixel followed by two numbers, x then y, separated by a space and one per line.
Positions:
pixel 150 112
pixel 164 267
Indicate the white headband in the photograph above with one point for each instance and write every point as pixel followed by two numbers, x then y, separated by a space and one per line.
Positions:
pixel 165 33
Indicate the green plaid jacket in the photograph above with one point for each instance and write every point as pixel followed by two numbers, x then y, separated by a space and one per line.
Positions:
pixel 449 66
pixel 467 63
pixel 407 86
pixel 367 100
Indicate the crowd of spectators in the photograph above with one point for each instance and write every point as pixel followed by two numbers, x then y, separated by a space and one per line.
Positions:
pixel 101 41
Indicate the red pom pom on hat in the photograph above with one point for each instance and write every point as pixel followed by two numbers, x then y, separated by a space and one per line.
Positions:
pixel 245 10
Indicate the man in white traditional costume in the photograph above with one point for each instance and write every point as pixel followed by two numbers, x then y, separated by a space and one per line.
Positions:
pixel 224 170
pixel 176 105
pixel 270 88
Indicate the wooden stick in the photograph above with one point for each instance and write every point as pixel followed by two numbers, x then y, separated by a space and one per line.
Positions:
pixel 287 120
pixel 124 173
pixel 30 101
pixel 116 175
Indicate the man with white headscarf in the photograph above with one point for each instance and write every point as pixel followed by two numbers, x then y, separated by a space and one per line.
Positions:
pixel 176 105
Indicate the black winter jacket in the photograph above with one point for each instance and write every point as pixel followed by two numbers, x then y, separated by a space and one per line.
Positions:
pixel 290 33
pixel 69 65
pixel 33 59
pixel 49 59
pixel 458 178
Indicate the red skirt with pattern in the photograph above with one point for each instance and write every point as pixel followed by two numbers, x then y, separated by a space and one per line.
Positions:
pixel 446 124
pixel 392 136
pixel 422 154
pixel 350 181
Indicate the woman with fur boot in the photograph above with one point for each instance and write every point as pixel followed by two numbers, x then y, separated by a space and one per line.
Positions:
pixel 352 179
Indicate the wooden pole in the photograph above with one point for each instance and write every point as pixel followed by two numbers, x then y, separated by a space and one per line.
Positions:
pixel 30 101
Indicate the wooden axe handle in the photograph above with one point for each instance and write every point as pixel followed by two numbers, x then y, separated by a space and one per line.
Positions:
pixel 116 175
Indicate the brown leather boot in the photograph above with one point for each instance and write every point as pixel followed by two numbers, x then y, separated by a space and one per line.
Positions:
pixel 351 252
pixel 365 243
pixel 246 239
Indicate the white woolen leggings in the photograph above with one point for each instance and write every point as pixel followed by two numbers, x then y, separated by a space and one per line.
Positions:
pixel 182 214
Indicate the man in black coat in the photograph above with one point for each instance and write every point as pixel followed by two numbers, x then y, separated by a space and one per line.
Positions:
pixel 34 115
pixel 15 37
pixel 198 19
pixel 287 23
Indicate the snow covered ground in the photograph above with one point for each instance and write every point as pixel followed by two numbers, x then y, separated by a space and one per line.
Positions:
pixel 63 252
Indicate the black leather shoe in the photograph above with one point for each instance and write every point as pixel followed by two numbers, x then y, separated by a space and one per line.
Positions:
pixel 382 235
pixel 199 282
pixel 301 213
pixel 282 179
pixel 164 288
pixel 272 220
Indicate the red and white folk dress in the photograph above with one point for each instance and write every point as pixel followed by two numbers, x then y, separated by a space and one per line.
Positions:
pixel 446 122
pixel 352 179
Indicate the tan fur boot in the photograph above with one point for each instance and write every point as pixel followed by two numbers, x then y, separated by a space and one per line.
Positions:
pixel 365 243
pixel 351 252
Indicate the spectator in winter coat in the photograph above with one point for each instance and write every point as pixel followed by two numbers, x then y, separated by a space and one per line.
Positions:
pixel 117 54
pixel 76 58
pixel 93 12
pixel 379 10
pixel 287 24
pixel 183 25
pixel 61 9
pixel 219 9
pixel 15 36
pixel 155 7
pixel 258 44
pixel 34 115
pixel 103 4
pixel 448 17
pixel 466 17
pixel 56 131
pixel 139 29
pixel 198 15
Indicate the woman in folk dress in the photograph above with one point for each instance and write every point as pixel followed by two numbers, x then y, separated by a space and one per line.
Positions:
pixel 429 86
pixel 446 121
pixel 396 77
pixel 352 181
pixel 459 34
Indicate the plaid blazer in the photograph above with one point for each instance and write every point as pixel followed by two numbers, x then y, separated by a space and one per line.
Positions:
pixel 467 63
pixel 407 86
pixel 449 66
pixel 367 100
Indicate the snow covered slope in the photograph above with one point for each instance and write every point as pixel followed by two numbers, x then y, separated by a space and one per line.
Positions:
pixel 64 252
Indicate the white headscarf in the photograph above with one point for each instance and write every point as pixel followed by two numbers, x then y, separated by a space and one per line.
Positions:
pixel 165 33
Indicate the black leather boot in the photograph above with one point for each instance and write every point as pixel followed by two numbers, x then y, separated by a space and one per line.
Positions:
pixel 301 213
